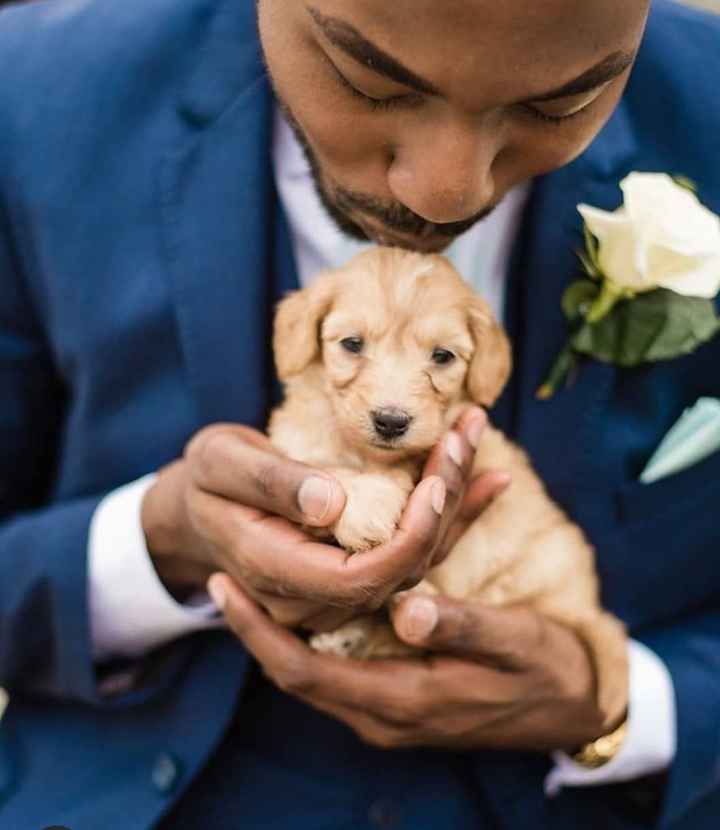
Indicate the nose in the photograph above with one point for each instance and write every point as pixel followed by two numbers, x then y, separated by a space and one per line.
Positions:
pixel 445 174
pixel 390 422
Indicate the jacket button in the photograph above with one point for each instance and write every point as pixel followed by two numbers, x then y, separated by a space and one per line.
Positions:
pixel 166 772
pixel 384 813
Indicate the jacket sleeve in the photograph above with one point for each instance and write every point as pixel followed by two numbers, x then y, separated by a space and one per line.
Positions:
pixel 45 646
pixel 691 651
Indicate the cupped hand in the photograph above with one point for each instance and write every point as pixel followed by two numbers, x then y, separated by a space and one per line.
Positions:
pixel 495 678
pixel 233 503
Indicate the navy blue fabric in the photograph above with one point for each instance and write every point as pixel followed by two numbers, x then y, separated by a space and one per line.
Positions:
pixel 141 252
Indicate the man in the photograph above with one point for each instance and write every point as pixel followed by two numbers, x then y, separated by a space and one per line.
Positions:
pixel 155 204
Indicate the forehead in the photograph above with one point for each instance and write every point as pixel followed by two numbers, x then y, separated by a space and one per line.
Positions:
pixel 529 45
pixel 401 295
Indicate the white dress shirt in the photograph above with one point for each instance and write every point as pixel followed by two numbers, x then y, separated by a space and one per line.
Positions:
pixel 130 610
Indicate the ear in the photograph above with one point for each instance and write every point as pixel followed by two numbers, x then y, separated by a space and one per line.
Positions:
pixel 296 334
pixel 492 358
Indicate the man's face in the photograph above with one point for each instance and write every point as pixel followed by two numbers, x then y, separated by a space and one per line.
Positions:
pixel 418 116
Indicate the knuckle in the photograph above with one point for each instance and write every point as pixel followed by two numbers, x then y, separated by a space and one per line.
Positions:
pixel 365 593
pixel 415 577
pixel 402 714
pixel 455 481
pixel 463 629
pixel 373 597
pixel 196 510
pixel 269 481
pixel 201 453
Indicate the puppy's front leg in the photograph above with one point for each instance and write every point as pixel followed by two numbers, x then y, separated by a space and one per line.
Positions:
pixel 374 505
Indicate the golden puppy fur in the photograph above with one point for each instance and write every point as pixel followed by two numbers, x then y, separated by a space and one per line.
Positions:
pixel 402 335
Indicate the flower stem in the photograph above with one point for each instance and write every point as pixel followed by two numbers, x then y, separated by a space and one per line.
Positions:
pixel 559 371
pixel 603 305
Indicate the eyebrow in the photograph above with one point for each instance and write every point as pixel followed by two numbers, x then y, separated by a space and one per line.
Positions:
pixel 346 37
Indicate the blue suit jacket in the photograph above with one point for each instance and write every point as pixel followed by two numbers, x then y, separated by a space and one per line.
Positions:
pixel 141 249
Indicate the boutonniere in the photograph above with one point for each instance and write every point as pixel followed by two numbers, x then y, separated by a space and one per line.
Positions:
pixel 653 269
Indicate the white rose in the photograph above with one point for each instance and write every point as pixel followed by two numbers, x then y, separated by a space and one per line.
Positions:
pixel 661 237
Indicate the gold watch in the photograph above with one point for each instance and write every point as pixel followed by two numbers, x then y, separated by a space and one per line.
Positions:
pixel 601 750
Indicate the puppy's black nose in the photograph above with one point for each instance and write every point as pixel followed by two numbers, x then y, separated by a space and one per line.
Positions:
pixel 390 422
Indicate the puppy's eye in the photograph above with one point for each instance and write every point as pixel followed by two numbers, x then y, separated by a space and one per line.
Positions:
pixel 442 356
pixel 352 344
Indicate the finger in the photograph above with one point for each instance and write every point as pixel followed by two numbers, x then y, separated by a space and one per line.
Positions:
pixel 405 558
pixel 378 686
pixel 239 464
pixel 328 620
pixel 275 556
pixel 471 425
pixel 507 638
pixel 452 459
pixel 286 611
pixel 367 727
pixel 292 613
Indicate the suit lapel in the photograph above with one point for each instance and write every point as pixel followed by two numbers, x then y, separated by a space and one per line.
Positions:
pixel 216 200
pixel 544 264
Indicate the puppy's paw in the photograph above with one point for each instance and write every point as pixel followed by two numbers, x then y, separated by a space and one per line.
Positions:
pixel 372 512
pixel 349 640
pixel 363 639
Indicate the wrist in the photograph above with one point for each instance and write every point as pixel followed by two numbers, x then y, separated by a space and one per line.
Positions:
pixel 161 521
pixel 578 678
pixel 159 514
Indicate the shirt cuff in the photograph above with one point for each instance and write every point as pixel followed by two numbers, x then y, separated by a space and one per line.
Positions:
pixel 131 611
pixel 650 742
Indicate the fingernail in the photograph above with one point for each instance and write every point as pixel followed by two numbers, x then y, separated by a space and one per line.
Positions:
pixel 453 445
pixel 475 430
pixel 419 619
pixel 314 497
pixel 437 496
pixel 217 591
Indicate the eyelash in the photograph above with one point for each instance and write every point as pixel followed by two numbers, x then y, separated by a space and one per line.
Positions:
pixel 552 119
pixel 376 104
pixel 410 100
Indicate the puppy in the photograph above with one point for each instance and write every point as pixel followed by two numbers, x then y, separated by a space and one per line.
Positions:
pixel 378 359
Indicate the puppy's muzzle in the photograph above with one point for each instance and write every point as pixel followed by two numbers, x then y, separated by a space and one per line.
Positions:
pixel 390 423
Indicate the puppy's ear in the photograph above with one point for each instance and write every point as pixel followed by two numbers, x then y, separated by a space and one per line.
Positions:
pixel 296 334
pixel 492 359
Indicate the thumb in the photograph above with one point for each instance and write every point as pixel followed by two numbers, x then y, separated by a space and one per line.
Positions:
pixel 502 637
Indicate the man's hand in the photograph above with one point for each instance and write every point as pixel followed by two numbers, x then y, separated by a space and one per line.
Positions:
pixel 498 678
pixel 235 504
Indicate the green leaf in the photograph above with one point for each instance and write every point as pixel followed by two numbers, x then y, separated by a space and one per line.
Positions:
pixel 688 184
pixel 578 297
pixel 591 243
pixel 657 325
pixel 589 267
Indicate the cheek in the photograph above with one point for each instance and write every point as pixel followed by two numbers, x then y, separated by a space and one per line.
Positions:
pixel 340 371
pixel 347 141
pixel 447 385
pixel 534 149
